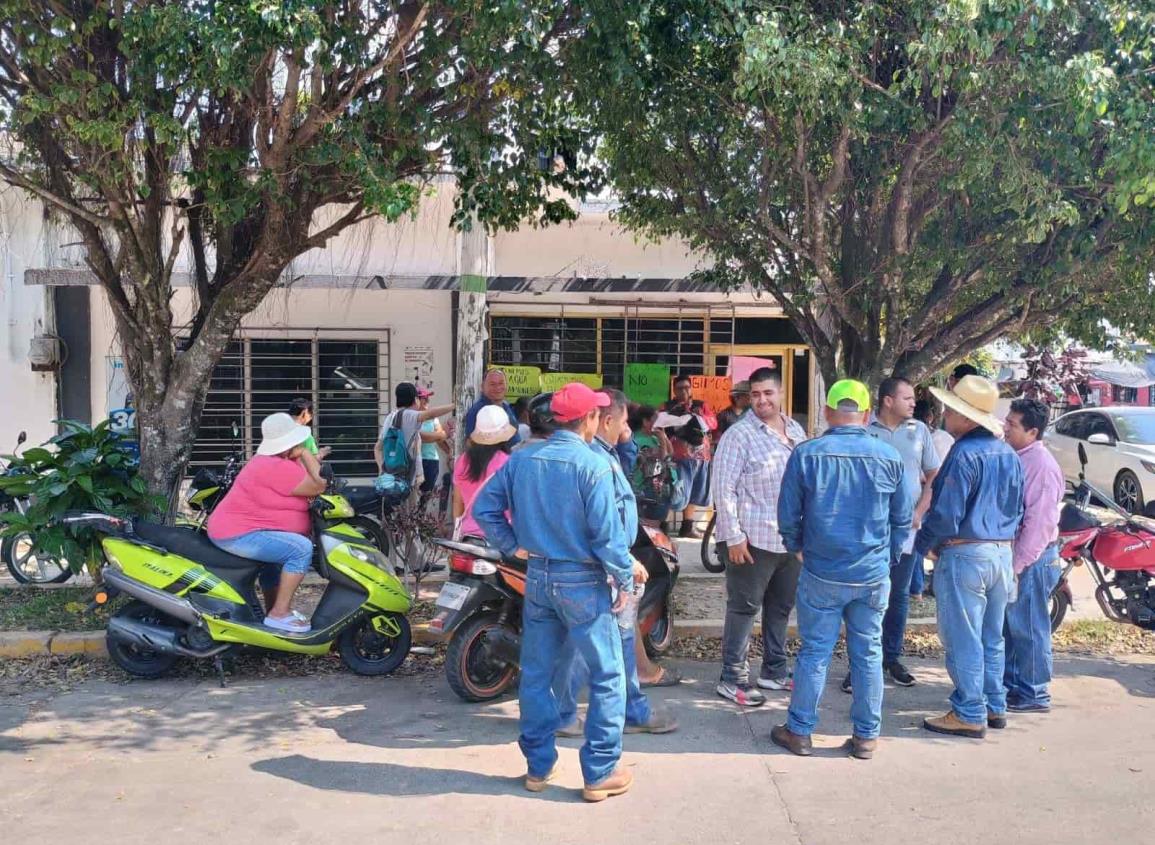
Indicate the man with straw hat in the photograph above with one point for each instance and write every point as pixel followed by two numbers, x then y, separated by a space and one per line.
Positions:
pixel 974 515
pixel 845 508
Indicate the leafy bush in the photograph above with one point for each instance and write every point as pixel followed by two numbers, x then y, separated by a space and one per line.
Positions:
pixel 81 469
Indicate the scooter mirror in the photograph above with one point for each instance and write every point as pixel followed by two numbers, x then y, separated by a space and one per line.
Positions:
pixel 1082 456
pixel 21 437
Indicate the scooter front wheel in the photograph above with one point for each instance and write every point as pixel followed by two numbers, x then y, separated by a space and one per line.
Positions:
pixel 1060 602
pixel 369 651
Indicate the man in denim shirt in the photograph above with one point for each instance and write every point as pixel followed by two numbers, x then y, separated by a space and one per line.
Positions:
pixel 974 515
pixel 572 674
pixel 845 510
pixel 566 523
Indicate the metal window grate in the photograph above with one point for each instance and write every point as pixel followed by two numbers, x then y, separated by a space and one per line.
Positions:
pixel 347 378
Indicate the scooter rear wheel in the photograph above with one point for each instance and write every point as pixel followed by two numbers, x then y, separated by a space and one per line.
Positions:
pixel 711 561
pixel 471 671
pixel 367 651
pixel 1059 605
pixel 140 662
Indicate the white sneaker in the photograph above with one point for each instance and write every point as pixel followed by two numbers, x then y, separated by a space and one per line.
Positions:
pixel 289 624
pixel 779 684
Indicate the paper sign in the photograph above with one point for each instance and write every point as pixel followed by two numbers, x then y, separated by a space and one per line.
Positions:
pixel 713 390
pixel 522 381
pixel 647 384
pixel 742 365
pixel 555 381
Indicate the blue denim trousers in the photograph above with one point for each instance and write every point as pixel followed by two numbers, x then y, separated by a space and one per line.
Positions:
pixel 1028 632
pixel 972 585
pixel 573 674
pixel 822 606
pixel 897 608
pixel 277 549
pixel 570 601
pixel 918 577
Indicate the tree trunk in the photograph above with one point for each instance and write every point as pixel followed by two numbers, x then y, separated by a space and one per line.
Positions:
pixel 472 310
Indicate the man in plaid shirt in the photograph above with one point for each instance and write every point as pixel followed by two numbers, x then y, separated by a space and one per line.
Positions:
pixel 760 574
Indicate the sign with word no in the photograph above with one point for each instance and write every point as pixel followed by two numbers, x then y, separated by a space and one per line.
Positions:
pixel 647 384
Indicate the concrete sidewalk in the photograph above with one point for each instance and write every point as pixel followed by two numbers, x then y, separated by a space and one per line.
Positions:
pixel 337 758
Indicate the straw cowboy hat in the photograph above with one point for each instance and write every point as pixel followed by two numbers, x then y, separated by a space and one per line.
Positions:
pixel 975 398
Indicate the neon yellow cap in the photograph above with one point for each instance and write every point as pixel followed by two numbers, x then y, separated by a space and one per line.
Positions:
pixel 848 390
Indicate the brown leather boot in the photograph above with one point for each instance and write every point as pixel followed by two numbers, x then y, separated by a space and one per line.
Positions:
pixel 617 783
pixel 952 725
pixel 861 748
pixel 539 784
pixel 783 737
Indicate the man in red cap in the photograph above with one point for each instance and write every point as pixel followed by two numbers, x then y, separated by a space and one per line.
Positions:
pixel 565 523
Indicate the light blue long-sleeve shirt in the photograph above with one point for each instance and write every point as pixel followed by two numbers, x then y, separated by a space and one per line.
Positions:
pixel 564 507
pixel 845 506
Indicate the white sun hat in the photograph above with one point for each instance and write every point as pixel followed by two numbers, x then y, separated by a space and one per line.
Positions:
pixel 492 426
pixel 280 433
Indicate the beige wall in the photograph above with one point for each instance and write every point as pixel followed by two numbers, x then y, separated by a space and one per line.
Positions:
pixel 28 399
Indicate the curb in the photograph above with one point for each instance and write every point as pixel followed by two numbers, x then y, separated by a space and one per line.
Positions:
pixel 35 643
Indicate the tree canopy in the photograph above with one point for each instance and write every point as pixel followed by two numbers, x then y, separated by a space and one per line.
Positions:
pixel 243 133
pixel 909 180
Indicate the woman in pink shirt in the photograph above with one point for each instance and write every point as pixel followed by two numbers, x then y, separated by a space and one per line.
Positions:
pixel 265 516
pixel 487 452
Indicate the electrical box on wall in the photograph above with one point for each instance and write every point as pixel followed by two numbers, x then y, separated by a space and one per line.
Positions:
pixel 45 353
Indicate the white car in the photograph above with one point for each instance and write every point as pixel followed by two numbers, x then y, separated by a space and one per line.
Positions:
pixel 1120 444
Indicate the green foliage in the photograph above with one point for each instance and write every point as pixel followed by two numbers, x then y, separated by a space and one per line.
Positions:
pixel 909 180
pixel 81 469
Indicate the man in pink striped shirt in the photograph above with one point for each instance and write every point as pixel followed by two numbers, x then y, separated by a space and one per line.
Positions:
pixel 1036 560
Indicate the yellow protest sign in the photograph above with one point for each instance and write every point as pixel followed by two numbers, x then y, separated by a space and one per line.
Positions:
pixel 554 381
pixel 522 381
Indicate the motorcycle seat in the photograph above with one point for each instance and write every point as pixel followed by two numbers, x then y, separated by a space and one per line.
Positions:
pixel 194 545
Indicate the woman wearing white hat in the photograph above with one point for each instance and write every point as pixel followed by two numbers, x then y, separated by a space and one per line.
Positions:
pixel 487 452
pixel 265 515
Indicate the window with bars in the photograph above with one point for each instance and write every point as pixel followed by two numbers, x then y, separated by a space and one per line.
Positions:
pixel 347 379
pixel 1124 395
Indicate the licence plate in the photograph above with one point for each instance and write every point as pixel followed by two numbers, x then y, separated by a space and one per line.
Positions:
pixel 452 595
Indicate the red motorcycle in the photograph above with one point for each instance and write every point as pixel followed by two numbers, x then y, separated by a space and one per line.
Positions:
pixel 1120 558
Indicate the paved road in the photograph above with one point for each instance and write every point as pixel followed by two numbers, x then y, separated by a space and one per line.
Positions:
pixel 337 759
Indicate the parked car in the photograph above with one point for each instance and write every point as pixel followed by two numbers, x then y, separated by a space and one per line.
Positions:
pixel 1120 444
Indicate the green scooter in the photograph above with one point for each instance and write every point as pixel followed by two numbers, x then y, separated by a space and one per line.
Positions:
pixel 193 600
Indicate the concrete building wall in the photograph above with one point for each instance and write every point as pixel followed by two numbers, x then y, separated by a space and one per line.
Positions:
pixel 29 399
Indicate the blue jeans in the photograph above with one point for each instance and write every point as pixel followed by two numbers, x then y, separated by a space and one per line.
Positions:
pixel 570 600
pixel 972 584
pixel 897 609
pixel 1028 632
pixel 822 606
pixel 573 674
pixel 918 577
pixel 280 549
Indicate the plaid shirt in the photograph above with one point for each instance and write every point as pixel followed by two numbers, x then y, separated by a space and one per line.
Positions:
pixel 748 466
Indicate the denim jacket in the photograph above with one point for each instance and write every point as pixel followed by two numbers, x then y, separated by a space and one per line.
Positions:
pixel 845 506
pixel 977 495
pixel 562 499
pixel 623 492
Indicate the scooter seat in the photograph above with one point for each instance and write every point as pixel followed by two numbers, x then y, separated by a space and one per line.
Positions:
pixel 363 499
pixel 194 545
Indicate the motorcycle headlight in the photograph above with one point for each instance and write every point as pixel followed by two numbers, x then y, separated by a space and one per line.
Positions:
pixel 360 554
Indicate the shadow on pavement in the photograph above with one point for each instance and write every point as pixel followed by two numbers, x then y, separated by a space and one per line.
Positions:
pixel 396 780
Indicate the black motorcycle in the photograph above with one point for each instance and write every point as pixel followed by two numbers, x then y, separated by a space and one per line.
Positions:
pixel 479 609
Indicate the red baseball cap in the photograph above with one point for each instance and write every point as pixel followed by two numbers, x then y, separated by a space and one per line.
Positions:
pixel 424 392
pixel 575 400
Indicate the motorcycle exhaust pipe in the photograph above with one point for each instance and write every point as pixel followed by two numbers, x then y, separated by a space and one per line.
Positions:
pixel 155 638
pixel 166 603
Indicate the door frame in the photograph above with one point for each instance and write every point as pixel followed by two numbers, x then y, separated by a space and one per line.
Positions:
pixel 762 350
